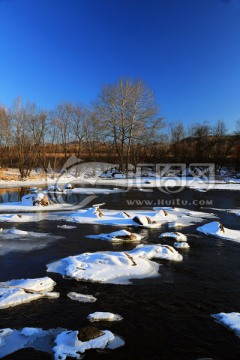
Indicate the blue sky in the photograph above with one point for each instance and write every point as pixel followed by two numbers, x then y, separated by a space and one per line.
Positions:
pixel 187 51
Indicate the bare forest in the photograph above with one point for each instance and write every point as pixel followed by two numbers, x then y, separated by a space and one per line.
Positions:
pixel 123 126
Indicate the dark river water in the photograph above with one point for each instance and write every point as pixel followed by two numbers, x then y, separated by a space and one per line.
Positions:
pixel 168 317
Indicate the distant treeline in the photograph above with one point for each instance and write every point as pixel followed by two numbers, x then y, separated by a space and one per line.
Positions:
pixel 122 127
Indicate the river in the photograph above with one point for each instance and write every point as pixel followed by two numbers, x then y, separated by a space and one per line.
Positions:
pixel 168 317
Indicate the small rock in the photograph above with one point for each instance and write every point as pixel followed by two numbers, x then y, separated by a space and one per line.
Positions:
pixel 87 333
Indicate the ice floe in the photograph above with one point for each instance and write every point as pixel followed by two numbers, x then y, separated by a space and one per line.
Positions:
pixel 68 186
pixel 94 190
pixel 104 316
pixel 158 251
pixel 81 297
pixel 12 340
pixel 216 229
pixel 16 292
pixel 60 343
pixel 67 227
pixel 37 202
pixel 147 219
pixel 115 267
pixel 118 236
pixel 181 245
pixel 184 217
pixel 69 345
pixel 13 233
pixel 174 217
pixel 231 320
pixel 205 186
pixel 23 241
pixel 174 235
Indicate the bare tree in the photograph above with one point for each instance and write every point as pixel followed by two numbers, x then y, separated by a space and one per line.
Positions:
pixel 126 111
pixel 221 143
pixel 201 141
pixel 80 117
pixel 28 125
pixel 5 137
pixel 178 146
pixel 63 119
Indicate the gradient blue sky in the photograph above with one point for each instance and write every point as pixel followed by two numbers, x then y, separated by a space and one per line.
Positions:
pixel 187 51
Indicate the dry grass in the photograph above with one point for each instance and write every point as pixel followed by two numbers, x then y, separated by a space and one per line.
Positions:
pixel 7 177
pixel 13 175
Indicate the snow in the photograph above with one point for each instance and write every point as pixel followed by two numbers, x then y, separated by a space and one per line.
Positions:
pixel 95 215
pixel 104 316
pixel 214 229
pixel 95 190
pixel 231 320
pixel 114 267
pixel 68 344
pixel 205 186
pixel 156 252
pixel 181 245
pixel 27 331
pixel 3 334
pixel 184 217
pixel 130 183
pixel 175 225
pixel 17 232
pixel 68 227
pixel 81 297
pixel 12 340
pixel 23 207
pixel 118 236
pixel 60 343
pixel 146 219
pixel 23 241
pixel 13 233
pixel 175 235
pixel 16 292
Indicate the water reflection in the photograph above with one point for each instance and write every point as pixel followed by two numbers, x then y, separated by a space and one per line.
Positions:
pixel 11 195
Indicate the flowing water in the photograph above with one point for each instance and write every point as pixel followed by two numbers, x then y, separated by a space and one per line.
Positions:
pixel 168 317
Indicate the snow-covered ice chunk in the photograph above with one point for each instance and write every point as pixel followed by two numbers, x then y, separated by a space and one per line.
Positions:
pixel 174 225
pixel 68 186
pixel 12 340
pixel 157 251
pixel 145 221
pixel 54 188
pixel 68 227
pixel 175 235
pixel 141 220
pixel 3 334
pixel 178 217
pixel 17 232
pixel 115 267
pixel 16 292
pixel 68 344
pixel 81 297
pixel 17 240
pixel 216 229
pixel 181 245
pixel 15 218
pixel 231 320
pixel 33 199
pixel 9 234
pixel 104 316
pixel 118 236
pixel 105 267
